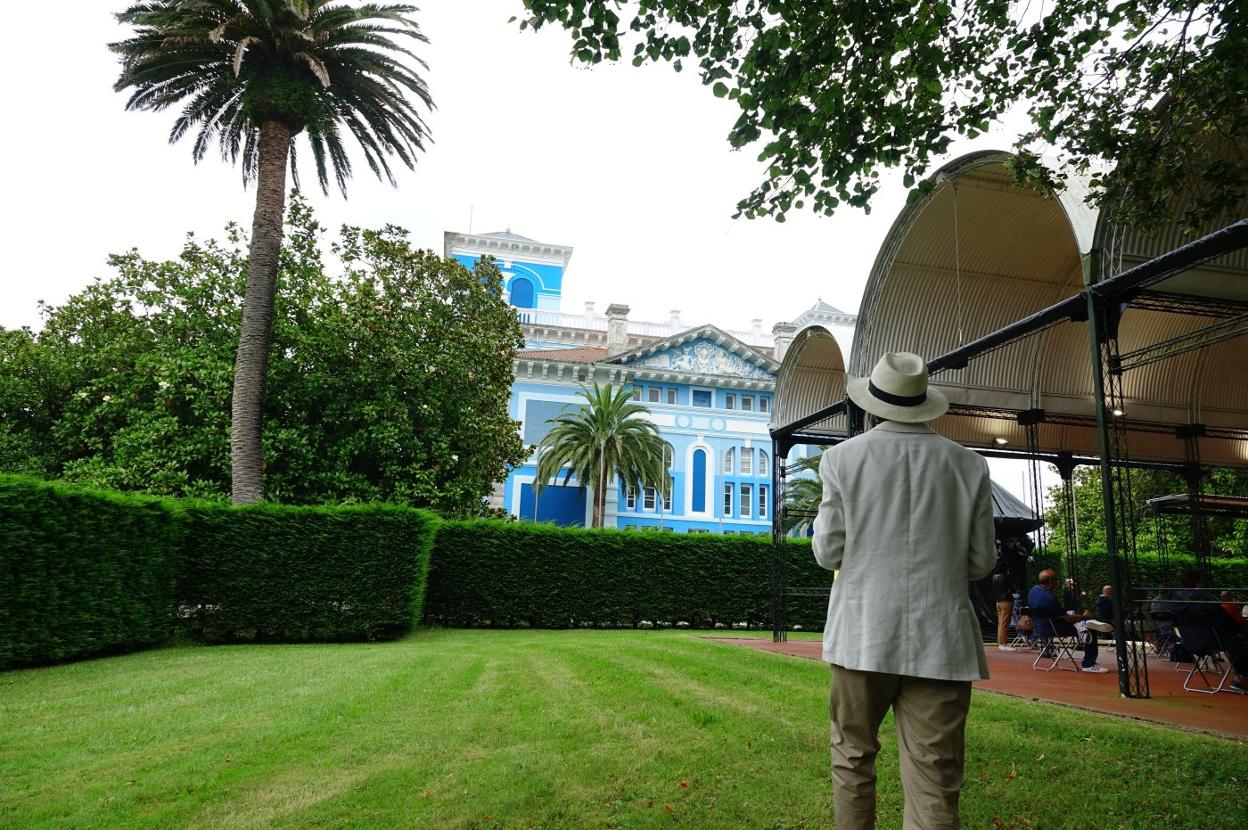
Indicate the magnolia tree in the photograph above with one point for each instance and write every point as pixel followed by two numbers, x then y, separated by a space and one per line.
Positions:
pixel 390 379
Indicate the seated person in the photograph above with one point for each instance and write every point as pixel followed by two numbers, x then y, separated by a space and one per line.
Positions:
pixel 1204 617
pixel 1059 622
pixel 1104 621
pixel 1161 605
pixel 1232 610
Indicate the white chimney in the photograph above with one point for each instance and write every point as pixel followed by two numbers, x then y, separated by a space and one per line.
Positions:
pixel 783 333
pixel 589 309
pixel 617 329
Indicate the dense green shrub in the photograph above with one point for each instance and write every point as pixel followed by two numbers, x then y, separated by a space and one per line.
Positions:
pixel 270 572
pixel 1149 572
pixel 491 573
pixel 83 572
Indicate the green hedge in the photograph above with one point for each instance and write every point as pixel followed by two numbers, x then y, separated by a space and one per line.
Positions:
pixel 509 574
pixel 83 572
pixel 270 572
pixel 1093 570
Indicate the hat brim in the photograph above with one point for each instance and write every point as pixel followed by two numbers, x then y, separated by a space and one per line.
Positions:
pixel 932 408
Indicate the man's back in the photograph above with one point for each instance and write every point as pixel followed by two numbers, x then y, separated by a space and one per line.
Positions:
pixel 913 527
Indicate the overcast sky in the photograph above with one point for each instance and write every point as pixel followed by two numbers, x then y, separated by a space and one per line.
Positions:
pixel 629 166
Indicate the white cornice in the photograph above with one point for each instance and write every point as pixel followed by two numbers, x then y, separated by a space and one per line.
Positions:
pixel 483 245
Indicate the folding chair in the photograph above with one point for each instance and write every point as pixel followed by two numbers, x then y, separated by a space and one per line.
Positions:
pixel 1054 648
pixel 1022 639
pixel 1210 660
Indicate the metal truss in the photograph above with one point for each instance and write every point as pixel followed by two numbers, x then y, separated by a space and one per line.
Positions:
pixel 1189 304
pixel 1132 662
pixel 1227 329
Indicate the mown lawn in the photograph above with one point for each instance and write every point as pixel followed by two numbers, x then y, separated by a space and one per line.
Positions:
pixel 488 729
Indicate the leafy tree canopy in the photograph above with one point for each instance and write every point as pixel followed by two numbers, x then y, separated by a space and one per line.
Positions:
pixel 390 380
pixel 1147 97
pixel 1227 537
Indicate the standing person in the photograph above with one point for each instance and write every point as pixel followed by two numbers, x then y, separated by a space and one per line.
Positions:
pixel 1005 608
pixel 906 517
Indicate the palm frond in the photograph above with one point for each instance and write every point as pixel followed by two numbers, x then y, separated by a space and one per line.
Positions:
pixel 321 67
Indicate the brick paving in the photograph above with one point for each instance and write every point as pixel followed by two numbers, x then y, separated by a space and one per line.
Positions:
pixel 1225 713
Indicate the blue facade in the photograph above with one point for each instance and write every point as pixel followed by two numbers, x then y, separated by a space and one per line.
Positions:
pixel 528 284
pixel 720 458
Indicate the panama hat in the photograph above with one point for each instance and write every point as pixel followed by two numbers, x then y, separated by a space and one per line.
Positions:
pixel 897 390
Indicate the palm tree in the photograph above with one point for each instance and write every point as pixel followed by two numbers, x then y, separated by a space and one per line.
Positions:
pixel 251 75
pixel 605 436
pixel 802 497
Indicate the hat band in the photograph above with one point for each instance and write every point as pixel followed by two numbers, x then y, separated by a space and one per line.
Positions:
pixel 895 400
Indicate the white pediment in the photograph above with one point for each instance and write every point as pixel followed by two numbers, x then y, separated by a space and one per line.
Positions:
pixel 703 357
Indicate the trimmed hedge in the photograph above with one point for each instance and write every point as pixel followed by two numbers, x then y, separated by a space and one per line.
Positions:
pixel 509 574
pixel 1093 570
pixel 269 572
pixel 83 572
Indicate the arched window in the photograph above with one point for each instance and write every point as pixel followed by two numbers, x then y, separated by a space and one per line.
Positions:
pixel 730 460
pixel 667 457
pixel 521 293
pixel 698 504
pixel 762 463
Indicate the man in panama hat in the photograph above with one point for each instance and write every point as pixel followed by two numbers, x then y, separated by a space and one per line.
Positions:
pixel 906 518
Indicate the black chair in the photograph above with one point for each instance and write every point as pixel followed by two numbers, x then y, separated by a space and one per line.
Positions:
pixel 1211 663
pixel 1054 647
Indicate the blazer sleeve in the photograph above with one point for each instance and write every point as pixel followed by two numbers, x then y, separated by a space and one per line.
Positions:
pixel 983 533
pixel 828 541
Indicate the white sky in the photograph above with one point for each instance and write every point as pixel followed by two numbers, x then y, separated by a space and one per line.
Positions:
pixel 629 166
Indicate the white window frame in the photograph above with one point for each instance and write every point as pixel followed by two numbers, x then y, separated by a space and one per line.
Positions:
pixel 667 499
pixel 669 454
pixel 762 501
pixel 730 460
pixel 747 461
pixel 630 498
pixel 764 403
pixel 727 503
pixel 730 400
pixel 762 462
pixel 710 395
pixel 671 396
pixel 654 394
pixel 747 496
pixel 648 500
pixel 747 403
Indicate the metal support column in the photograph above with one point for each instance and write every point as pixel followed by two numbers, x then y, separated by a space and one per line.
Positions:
pixel 779 506
pixel 1194 475
pixel 1066 469
pixel 1103 318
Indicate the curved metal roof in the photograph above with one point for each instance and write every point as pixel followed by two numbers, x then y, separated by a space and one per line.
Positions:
pixel 811 378
pixel 979 252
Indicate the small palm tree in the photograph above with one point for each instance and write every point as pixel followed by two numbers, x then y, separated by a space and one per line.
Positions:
pixel 251 75
pixel 802 497
pixel 605 436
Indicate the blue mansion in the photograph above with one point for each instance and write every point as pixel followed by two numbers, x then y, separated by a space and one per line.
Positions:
pixel 708 389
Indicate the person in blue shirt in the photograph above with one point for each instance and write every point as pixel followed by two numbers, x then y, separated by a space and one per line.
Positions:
pixel 1060 622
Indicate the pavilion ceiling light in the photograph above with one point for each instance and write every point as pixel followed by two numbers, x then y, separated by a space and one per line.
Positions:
pixel 1001 442
pixel 1118 413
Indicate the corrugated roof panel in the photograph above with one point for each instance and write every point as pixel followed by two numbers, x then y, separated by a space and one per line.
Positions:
pixel 811 378
pixel 983 254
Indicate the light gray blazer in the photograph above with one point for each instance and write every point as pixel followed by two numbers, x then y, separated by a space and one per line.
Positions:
pixel 906 517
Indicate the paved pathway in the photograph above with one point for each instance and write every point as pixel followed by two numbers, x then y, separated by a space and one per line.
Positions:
pixel 1225 713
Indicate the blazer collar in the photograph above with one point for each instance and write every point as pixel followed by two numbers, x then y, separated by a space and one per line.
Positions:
pixel 897 426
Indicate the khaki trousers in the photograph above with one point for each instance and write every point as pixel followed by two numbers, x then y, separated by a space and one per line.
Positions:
pixel 931 726
pixel 1005 608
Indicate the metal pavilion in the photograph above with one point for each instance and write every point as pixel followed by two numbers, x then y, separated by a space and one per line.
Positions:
pixel 1061 338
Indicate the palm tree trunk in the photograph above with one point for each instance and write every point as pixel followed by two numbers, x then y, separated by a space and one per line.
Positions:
pixel 252 361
